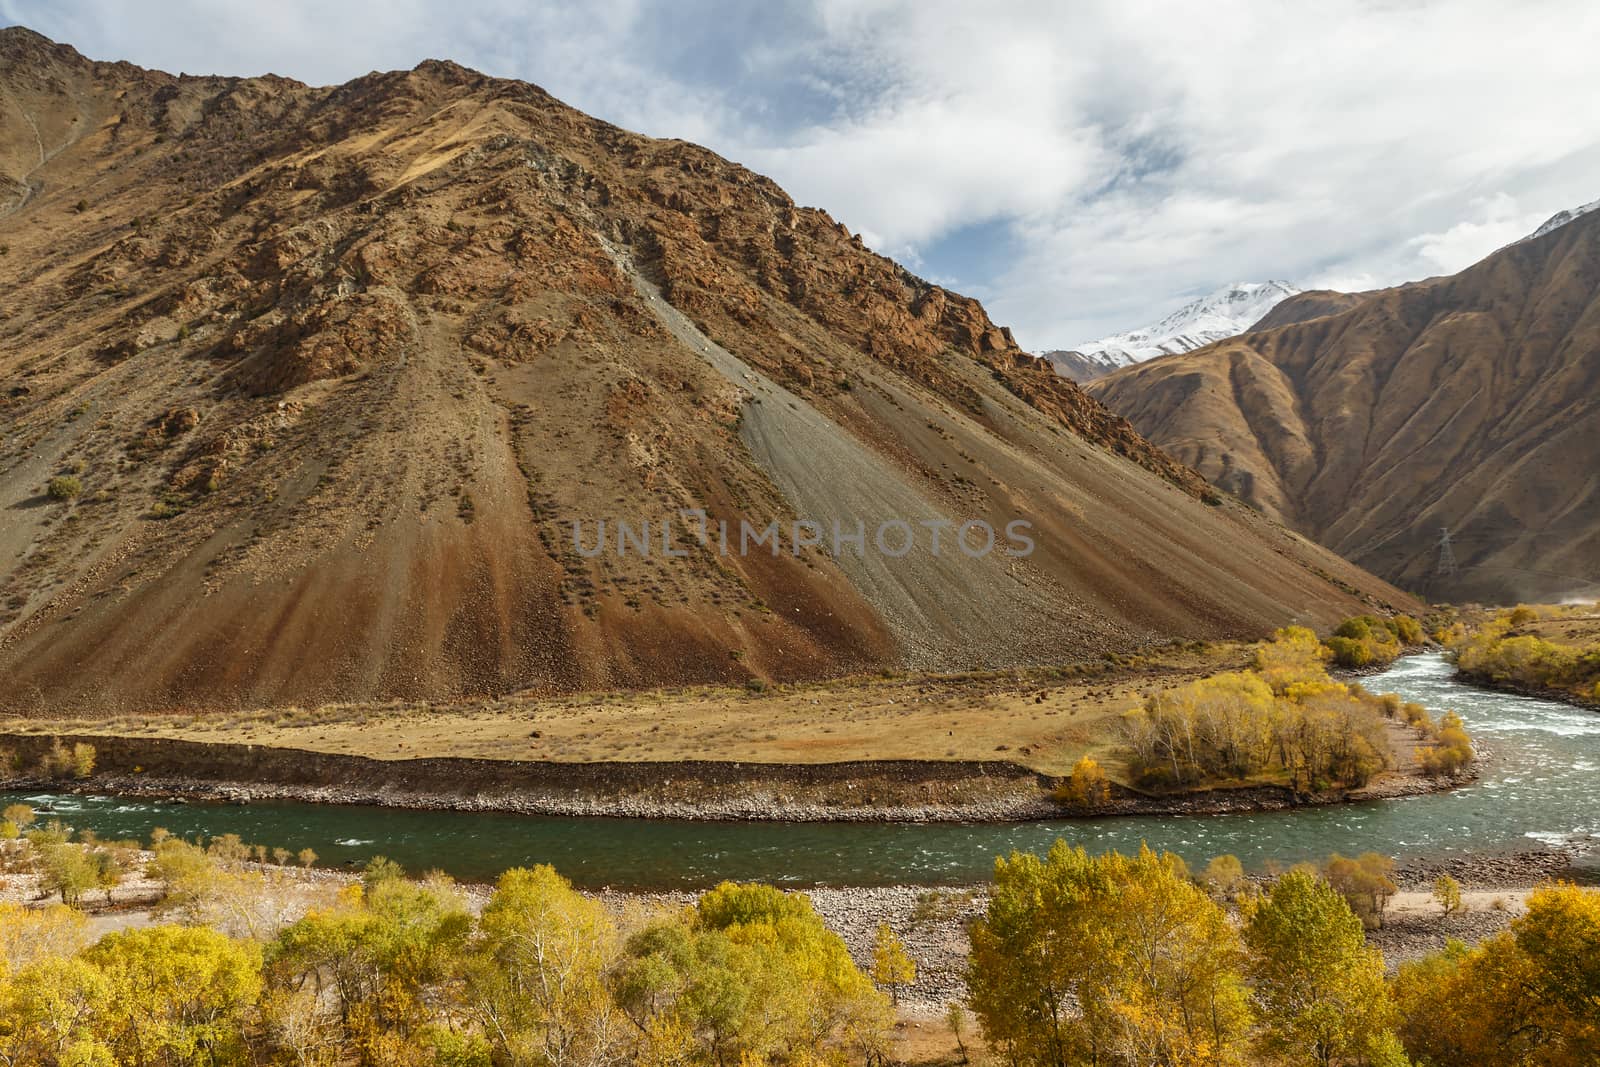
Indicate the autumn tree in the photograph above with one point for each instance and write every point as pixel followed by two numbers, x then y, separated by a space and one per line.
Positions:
pixel 1527 997
pixel 1223 875
pixel 28 935
pixel 1447 894
pixel 536 983
pixel 20 816
pixel 752 971
pixel 175 995
pixel 48 1011
pixel 1112 960
pixel 1319 986
pixel 892 966
pixel 1366 883
pixel 68 869
pixel 374 958
pixel 1086 787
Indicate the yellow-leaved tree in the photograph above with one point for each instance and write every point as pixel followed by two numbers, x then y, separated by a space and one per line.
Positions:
pixel 536 982
pixel 892 966
pixel 174 995
pixel 752 973
pixel 1527 996
pixel 1318 986
pixel 1110 960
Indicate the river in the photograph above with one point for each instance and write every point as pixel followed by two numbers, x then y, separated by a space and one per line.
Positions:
pixel 1538 788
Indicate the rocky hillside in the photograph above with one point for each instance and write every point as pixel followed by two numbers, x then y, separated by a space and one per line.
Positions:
pixel 305 388
pixel 1371 422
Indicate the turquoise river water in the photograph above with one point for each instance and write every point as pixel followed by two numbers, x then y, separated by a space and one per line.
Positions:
pixel 1538 789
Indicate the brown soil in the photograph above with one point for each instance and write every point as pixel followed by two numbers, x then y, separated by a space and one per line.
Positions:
pixel 338 368
pixel 1369 421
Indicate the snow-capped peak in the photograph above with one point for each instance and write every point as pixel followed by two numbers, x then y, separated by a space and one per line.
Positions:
pixel 1228 312
pixel 1561 218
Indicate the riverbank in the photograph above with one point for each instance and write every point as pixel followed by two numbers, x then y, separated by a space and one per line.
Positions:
pixel 1485 680
pixel 912 791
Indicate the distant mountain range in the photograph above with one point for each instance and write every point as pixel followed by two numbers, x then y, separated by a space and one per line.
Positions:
pixel 1373 422
pixel 1227 312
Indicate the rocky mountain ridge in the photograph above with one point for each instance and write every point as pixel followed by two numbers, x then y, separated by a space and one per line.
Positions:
pixel 308 389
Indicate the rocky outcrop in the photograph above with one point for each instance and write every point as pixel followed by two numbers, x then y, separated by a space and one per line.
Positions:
pixel 397 314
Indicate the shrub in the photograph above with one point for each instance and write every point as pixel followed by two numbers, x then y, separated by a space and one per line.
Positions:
pixel 1366 640
pixel 1447 894
pixel 1365 883
pixel 1223 875
pixel 1086 787
pixel 64 487
pixel 1350 652
pixel 1406 628
pixel 1452 748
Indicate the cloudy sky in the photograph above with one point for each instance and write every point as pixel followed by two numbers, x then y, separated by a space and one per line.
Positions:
pixel 1082 167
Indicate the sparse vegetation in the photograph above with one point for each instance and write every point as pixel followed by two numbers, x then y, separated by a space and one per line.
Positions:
pixel 64 487
pixel 1497 654
pixel 892 966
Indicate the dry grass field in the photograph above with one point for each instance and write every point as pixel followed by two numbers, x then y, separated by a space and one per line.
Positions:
pixel 1044 719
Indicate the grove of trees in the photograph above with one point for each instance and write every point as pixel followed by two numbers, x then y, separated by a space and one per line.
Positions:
pixel 1117 961
pixel 1284 719
pixel 1077 959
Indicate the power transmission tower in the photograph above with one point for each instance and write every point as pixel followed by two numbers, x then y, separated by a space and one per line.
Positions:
pixel 1447 555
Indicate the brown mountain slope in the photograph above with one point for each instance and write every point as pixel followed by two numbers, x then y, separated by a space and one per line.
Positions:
pixel 1467 402
pixel 1302 307
pixel 337 369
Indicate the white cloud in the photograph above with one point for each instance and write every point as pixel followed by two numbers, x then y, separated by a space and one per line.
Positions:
pixel 1497 223
pixel 1136 151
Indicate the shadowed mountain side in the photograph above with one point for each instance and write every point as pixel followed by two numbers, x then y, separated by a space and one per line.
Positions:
pixel 1466 403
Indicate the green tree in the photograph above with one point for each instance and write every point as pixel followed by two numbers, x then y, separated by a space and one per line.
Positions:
pixel 1319 986
pixel 68 869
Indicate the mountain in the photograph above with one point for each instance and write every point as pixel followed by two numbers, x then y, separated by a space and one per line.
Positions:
pixel 1227 312
pixel 1372 422
pixel 305 390
pixel 1561 218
